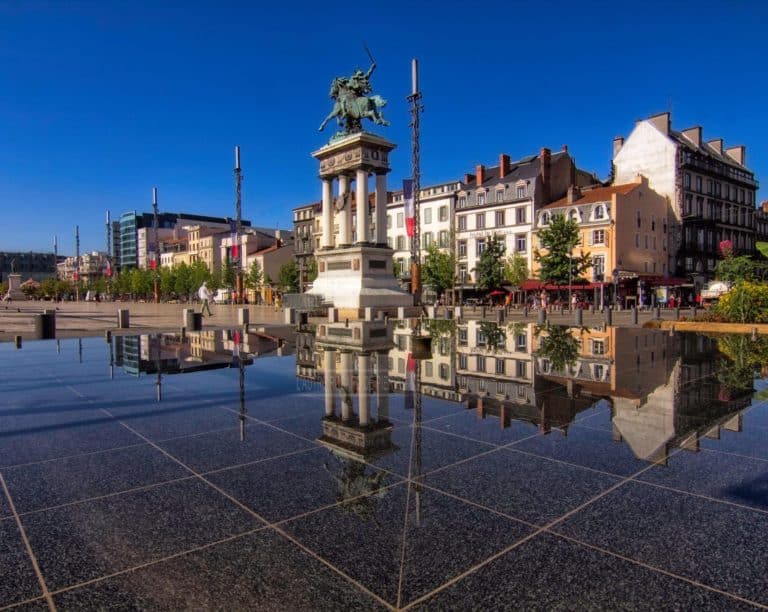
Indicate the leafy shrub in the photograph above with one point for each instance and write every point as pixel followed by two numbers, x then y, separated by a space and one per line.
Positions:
pixel 746 303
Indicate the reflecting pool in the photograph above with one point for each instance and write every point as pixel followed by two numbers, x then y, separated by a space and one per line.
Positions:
pixel 364 465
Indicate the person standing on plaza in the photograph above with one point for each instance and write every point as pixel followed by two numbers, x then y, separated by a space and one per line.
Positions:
pixel 205 297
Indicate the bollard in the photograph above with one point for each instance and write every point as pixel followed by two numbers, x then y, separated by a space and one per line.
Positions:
pixel 677 313
pixel 657 313
pixel 578 316
pixel 18 342
pixel 108 336
pixel 634 315
pixel 542 317
pixel 243 316
pixel 499 316
pixel 193 321
pixel 183 334
pixel 591 309
pixel 45 326
pixel 608 316
pixel 457 313
pixel 525 312
pixel 123 318
pixel 482 312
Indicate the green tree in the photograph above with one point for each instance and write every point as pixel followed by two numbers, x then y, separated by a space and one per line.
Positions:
pixel 732 268
pixel 182 282
pixel 397 268
pixel 311 270
pixel 558 346
pixel 254 277
pixel 228 274
pixel 47 287
pixel 489 269
pixel 167 280
pixel 288 278
pixel 199 273
pixel 516 269
pixel 438 270
pixel 559 265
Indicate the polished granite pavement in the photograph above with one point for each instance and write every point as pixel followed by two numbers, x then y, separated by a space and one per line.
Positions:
pixel 110 499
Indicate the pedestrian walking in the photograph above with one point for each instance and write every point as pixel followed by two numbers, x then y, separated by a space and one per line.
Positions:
pixel 205 297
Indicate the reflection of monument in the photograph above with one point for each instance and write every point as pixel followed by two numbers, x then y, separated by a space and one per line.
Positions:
pixel 365 344
pixel 355 273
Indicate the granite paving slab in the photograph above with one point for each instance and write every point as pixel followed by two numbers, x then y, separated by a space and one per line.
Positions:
pixel 573 577
pixel 62 481
pixel 717 544
pixel 84 541
pixel 18 581
pixel 526 487
pixel 260 571
pixel 442 538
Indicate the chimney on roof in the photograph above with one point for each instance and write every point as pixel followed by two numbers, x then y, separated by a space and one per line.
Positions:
pixel 468 178
pixel 716 144
pixel 662 122
pixel 618 142
pixel 574 193
pixel 503 165
pixel 565 148
pixel 693 134
pixel 737 154
pixel 545 161
pixel 480 172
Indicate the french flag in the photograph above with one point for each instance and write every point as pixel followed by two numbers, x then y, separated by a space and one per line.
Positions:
pixel 410 211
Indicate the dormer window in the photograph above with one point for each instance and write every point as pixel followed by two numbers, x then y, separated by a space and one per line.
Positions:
pixel 573 215
pixel 544 219
pixel 599 212
pixel 480 198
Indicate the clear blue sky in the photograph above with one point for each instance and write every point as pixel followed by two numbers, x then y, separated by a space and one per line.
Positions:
pixel 102 100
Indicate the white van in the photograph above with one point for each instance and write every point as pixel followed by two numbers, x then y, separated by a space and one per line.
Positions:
pixel 221 296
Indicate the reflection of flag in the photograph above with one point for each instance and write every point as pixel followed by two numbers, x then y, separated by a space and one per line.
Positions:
pixel 153 263
pixel 410 382
pixel 76 276
pixel 410 213
pixel 109 268
pixel 236 340
pixel 235 251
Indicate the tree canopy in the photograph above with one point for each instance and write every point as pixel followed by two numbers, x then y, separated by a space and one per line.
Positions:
pixel 438 270
pixel 516 269
pixel 489 269
pixel 558 263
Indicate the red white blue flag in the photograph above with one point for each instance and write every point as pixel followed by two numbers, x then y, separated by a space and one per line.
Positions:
pixel 410 210
pixel 410 382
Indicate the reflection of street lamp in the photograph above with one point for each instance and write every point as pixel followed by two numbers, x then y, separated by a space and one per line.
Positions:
pixel 615 288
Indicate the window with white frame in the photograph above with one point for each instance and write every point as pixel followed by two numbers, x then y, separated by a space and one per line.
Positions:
pixel 500 195
pixel 598 236
pixel 481 339
pixel 400 243
pixel 480 198
pixel 521 243
pixel 521 368
pixel 521 191
pixel 462 201
pixel 462 361
pixel 521 342
pixel 443 239
pixel 500 363
pixel 462 223
pixel 544 218
pixel 520 215
pixel 462 248
pixel 427 239
pixel 599 212
pixel 480 220
pixel 598 347
pixel 442 213
pixel 400 219
pixel 481 368
pixel 499 218
pixel 480 246
pixel 427 215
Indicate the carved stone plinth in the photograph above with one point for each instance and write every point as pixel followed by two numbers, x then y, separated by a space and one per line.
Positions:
pixel 14 289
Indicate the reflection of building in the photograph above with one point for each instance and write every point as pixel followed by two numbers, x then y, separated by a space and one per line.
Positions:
pixel 193 351
pixel 437 372
pixel 88 268
pixel 353 359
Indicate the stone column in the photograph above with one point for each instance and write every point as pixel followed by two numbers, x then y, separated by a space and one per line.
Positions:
pixel 327 225
pixel 382 386
pixel 381 210
pixel 345 215
pixel 363 229
pixel 346 385
pixel 364 397
pixel 329 362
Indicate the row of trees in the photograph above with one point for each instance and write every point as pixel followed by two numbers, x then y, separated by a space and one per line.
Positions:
pixel 557 263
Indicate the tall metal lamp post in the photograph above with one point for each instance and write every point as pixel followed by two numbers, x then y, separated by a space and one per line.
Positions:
pixel 156 247
pixel 416 109
pixel 238 227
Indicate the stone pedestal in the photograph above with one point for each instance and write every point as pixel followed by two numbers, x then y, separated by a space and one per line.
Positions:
pixel 357 275
pixel 14 288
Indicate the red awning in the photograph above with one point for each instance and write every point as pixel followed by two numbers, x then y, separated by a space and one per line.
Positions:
pixel 535 285
pixel 664 281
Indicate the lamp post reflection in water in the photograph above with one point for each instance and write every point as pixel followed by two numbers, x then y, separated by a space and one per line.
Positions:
pixel 80 350
pixel 238 350
pixel 159 382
